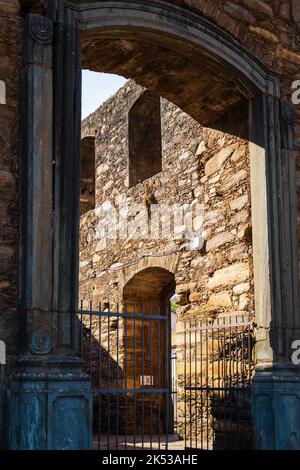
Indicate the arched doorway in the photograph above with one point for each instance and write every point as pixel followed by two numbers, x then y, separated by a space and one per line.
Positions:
pixel 150 287
pixel 149 293
pixel 190 61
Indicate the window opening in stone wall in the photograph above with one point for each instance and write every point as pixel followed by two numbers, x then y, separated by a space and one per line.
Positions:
pixel 87 175
pixel 144 141
pixel 2 92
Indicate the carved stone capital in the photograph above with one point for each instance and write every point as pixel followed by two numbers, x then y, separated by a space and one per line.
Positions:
pixel 40 29
pixel 287 112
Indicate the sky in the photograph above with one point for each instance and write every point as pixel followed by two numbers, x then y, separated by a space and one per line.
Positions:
pixel 97 88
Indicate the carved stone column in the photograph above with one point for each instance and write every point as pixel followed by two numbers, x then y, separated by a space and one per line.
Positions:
pixel 50 397
pixel 276 388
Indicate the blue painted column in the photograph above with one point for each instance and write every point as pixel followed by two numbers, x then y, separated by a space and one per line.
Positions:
pixel 50 405
pixel 276 386
pixel 49 394
pixel 276 407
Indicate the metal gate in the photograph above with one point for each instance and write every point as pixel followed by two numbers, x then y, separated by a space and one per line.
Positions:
pixel 218 370
pixel 148 394
pixel 128 356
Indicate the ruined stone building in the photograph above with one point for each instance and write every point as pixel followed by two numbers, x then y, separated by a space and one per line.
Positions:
pixel 213 97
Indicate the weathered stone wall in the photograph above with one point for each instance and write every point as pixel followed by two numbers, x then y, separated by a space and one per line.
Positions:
pixel 270 29
pixel 11 36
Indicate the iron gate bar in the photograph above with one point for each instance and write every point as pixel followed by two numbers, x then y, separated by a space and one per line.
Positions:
pixel 222 326
pixel 117 373
pixel 185 394
pixel 167 382
pixel 100 375
pixel 131 390
pixel 196 396
pixel 218 389
pixel 151 374
pixel 143 377
pixel 108 375
pixel 174 387
pixel 122 315
pixel 126 360
pixel 159 372
pixel 134 347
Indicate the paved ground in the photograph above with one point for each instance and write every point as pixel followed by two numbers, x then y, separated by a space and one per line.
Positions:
pixel 112 443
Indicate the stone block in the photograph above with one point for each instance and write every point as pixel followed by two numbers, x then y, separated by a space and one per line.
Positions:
pixel 239 203
pixel 244 301
pixel 235 179
pixel 213 217
pixel 221 299
pixel 239 13
pixel 195 297
pixel 261 6
pixel 181 288
pixel 7 183
pixel 241 288
pixel 231 275
pixel 219 240
pixel 265 34
pixel 201 149
pixel 182 298
pixel 289 55
pixel 296 10
pixel 217 161
pixel 102 168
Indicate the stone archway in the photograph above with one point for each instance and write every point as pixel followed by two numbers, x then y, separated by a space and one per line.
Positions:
pixel 152 286
pixel 50 241
pixel 167 263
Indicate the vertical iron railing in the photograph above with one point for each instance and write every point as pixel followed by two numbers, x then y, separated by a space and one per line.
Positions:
pixel 218 371
pixel 174 391
pixel 128 357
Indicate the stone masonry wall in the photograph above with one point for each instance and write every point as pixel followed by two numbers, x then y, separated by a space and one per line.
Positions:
pixel 270 29
pixel 11 35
